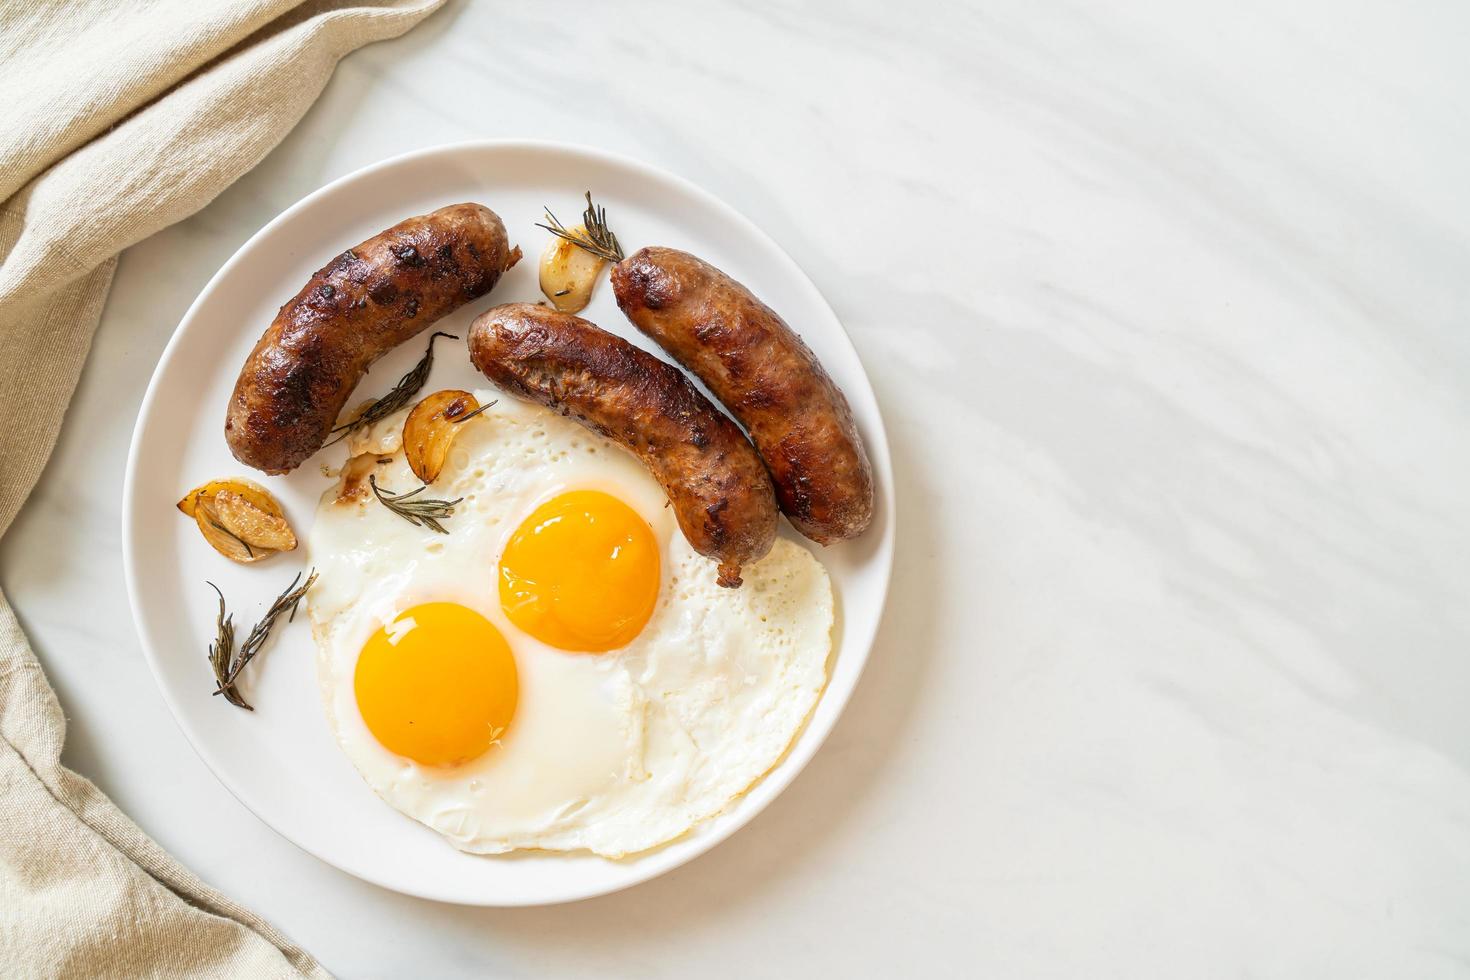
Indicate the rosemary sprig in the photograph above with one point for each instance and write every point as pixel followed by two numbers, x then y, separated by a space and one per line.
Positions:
pixel 423 512
pixel 226 661
pixel 222 651
pixel 597 239
pixel 238 540
pixel 466 418
pixel 407 386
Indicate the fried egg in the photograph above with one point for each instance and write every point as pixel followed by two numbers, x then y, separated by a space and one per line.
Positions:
pixel 559 671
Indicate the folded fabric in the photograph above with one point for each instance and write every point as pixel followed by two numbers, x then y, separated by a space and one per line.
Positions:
pixel 120 119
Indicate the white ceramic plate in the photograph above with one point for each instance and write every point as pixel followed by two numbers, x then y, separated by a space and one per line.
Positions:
pixel 281 761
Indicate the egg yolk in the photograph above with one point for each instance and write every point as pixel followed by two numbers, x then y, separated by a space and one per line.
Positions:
pixel 581 573
pixel 437 685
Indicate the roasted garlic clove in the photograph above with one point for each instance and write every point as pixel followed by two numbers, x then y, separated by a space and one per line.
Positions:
pixel 249 489
pixel 191 499
pixel 568 272
pixel 430 428
pixel 239 518
pixel 256 527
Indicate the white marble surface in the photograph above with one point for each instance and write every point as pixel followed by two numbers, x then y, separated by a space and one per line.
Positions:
pixel 1167 309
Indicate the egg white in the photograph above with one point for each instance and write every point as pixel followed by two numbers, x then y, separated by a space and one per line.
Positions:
pixel 614 752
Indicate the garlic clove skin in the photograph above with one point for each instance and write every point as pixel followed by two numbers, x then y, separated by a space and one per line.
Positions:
pixel 569 273
pixel 430 428
pixel 239 518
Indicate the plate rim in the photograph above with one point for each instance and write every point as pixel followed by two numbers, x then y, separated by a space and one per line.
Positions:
pixel 797 756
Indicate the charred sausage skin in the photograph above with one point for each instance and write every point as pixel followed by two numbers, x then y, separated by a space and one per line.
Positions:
pixel 771 381
pixel 719 490
pixel 361 305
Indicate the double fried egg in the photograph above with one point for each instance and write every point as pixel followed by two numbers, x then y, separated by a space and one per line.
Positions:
pixel 560 671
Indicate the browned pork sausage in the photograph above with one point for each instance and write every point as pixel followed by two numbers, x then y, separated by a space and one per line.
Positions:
pixel 365 302
pixel 753 362
pixel 721 495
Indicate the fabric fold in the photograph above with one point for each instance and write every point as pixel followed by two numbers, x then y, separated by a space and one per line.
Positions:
pixel 121 120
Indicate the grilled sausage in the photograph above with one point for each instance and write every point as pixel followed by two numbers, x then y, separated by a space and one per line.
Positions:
pixel 769 380
pixel 365 302
pixel 721 495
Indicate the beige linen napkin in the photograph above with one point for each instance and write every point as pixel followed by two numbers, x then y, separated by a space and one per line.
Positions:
pixel 118 118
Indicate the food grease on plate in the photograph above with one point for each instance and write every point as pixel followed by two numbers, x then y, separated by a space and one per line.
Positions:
pixel 615 724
